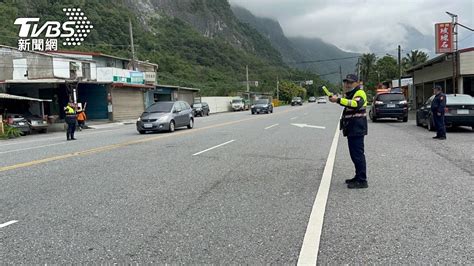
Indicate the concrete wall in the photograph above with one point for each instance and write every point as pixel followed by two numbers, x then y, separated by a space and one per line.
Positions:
pixel 435 72
pixel 466 63
pixel 218 104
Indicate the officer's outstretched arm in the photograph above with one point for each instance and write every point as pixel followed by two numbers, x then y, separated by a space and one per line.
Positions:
pixel 355 103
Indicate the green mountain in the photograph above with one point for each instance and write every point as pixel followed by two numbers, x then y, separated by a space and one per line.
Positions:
pixel 299 49
pixel 197 43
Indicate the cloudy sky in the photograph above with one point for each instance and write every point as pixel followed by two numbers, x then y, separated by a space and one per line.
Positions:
pixel 365 25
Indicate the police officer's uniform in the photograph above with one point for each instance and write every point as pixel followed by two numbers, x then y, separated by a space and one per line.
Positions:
pixel 71 122
pixel 354 127
pixel 437 107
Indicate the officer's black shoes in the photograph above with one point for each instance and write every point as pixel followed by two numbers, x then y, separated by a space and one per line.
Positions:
pixel 352 180
pixel 73 139
pixel 440 138
pixel 358 184
pixel 435 137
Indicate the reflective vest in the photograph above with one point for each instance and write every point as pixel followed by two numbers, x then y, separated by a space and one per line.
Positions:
pixel 69 110
pixel 354 116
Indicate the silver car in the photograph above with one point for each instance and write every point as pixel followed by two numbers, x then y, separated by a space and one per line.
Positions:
pixel 166 116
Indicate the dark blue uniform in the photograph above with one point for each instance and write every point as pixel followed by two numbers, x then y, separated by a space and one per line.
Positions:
pixel 437 109
pixel 354 127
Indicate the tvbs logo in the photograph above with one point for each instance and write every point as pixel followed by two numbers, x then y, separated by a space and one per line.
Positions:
pixel 72 32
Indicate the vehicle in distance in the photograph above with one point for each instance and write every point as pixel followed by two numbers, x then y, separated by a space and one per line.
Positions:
pixel 296 101
pixel 36 123
pixel 321 100
pixel 19 122
pixel 201 109
pixel 239 105
pixel 459 112
pixel 262 106
pixel 166 116
pixel 312 99
pixel 389 105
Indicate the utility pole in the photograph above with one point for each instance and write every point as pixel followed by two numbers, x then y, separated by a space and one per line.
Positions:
pixel 358 68
pixel 247 75
pixel 340 76
pixel 131 44
pixel 454 21
pixel 399 67
pixel 278 89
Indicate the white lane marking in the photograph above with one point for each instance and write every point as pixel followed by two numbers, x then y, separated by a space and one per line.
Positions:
pixel 8 223
pixel 306 125
pixel 32 148
pixel 293 118
pixel 272 126
pixel 53 138
pixel 217 146
pixel 309 250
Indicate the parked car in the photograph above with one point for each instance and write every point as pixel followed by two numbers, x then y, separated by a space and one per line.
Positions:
pixel 322 100
pixel 312 99
pixel 262 106
pixel 201 109
pixel 296 101
pixel 389 105
pixel 166 116
pixel 239 105
pixel 459 112
pixel 37 123
pixel 19 122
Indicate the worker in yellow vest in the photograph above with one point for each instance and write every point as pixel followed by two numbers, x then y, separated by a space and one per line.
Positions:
pixel 70 121
pixel 354 127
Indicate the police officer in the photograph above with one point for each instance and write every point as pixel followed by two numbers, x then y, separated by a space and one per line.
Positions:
pixel 70 121
pixel 437 111
pixel 354 127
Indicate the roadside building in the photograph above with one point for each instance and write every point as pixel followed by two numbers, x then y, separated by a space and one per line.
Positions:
pixel 439 71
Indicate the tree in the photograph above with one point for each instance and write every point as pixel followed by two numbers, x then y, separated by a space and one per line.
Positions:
pixel 366 64
pixel 414 58
pixel 386 69
pixel 288 90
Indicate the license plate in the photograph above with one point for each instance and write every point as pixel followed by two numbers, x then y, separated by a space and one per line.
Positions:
pixel 463 112
pixel 391 105
pixel 21 124
pixel 147 125
pixel 258 110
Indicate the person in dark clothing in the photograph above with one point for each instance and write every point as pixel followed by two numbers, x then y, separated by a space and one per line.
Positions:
pixel 437 111
pixel 70 121
pixel 354 127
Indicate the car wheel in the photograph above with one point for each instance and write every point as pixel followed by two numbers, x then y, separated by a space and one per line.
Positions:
pixel 418 123
pixel 405 119
pixel 253 113
pixel 172 126
pixel 44 131
pixel 191 123
pixel 141 131
pixel 271 111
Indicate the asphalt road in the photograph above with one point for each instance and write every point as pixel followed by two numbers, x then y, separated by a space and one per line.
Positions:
pixel 235 189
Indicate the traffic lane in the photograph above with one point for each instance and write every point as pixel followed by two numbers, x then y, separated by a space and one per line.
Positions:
pixel 97 210
pixel 28 151
pixel 418 207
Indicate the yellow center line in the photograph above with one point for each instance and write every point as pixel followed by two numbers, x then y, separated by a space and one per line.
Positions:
pixel 128 143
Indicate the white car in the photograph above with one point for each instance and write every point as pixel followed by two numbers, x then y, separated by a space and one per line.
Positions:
pixel 322 100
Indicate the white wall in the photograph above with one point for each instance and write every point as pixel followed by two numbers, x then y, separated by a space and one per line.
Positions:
pixel 218 104
pixel 467 63
pixel 19 69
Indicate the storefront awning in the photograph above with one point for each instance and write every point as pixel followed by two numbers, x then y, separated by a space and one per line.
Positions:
pixel 21 98
pixel 130 85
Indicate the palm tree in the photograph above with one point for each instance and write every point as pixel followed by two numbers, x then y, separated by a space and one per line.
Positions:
pixel 367 65
pixel 414 58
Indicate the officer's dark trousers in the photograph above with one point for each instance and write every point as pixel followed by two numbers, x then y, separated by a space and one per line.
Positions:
pixel 356 150
pixel 439 124
pixel 71 128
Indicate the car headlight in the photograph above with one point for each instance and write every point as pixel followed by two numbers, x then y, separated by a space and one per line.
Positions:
pixel 252 106
pixel 265 106
pixel 163 118
pixel 139 119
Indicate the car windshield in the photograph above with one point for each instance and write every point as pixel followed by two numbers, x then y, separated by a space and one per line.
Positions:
pixel 197 105
pixel 390 97
pixel 460 99
pixel 160 108
pixel 263 101
pixel 236 101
